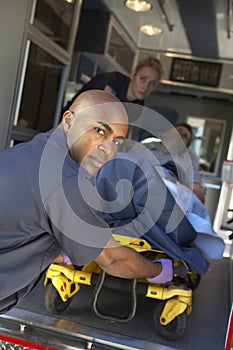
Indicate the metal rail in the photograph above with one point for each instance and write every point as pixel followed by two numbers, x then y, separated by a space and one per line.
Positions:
pixel 61 334
pixel 229 17
pixel 165 16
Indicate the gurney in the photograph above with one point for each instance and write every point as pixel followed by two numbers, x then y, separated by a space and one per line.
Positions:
pixel 168 215
pixel 173 300
pixel 172 223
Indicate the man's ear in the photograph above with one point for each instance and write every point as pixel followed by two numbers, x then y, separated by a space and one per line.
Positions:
pixel 67 121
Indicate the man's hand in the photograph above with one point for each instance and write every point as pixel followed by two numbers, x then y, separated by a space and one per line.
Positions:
pixel 166 274
pixel 62 258
pixel 199 191
pixel 125 262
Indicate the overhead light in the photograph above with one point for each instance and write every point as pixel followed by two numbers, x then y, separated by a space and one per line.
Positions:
pixel 149 29
pixel 138 5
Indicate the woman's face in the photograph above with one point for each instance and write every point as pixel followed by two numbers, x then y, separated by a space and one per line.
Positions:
pixel 143 83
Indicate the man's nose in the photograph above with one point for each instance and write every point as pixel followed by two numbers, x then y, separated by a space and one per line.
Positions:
pixel 107 147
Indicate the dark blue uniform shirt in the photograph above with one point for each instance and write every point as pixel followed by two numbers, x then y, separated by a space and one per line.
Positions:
pixel 115 83
pixel 43 209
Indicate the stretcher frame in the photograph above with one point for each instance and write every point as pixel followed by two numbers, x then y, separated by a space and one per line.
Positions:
pixel 173 299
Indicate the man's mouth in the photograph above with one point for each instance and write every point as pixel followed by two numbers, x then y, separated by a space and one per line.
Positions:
pixel 97 161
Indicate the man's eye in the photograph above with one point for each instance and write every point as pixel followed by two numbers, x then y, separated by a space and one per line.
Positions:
pixel 118 142
pixel 100 131
pixel 142 78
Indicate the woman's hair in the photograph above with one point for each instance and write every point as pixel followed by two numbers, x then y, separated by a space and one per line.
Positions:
pixel 190 129
pixel 152 62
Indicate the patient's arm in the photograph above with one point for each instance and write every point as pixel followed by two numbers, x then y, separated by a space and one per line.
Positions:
pixel 199 191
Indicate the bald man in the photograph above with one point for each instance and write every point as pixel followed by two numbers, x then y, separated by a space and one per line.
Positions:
pixel 47 202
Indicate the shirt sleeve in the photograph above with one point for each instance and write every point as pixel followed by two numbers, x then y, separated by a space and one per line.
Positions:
pixel 75 222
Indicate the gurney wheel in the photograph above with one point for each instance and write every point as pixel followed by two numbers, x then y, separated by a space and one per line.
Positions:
pixel 193 280
pixel 175 329
pixel 52 300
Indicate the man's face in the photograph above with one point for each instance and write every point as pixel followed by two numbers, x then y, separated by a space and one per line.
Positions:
pixel 176 139
pixel 184 134
pixel 96 134
pixel 144 83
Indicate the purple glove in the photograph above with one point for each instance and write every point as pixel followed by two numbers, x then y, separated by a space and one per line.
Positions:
pixel 166 275
pixel 66 259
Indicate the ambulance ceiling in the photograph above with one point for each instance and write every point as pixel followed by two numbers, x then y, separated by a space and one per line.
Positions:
pixel 200 28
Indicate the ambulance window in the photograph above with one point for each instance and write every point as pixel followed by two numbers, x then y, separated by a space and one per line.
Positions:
pixel 207 141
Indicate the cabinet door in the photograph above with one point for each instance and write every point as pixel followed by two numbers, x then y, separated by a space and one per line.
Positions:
pixel 101 34
pixel 119 50
pixel 54 19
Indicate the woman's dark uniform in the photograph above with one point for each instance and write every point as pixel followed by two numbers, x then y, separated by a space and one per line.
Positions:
pixel 115 83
